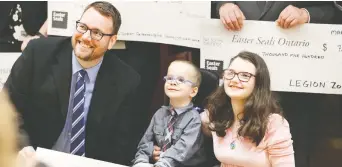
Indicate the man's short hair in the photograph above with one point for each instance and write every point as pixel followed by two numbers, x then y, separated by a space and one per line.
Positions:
pixel 108 10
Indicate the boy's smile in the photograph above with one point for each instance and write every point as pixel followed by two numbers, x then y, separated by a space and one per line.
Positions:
pixel 179 82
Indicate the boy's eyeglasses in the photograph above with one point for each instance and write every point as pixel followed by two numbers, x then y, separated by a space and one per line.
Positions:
pixel 178 80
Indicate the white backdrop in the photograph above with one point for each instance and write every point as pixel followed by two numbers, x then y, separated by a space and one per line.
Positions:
pixel 307 58
pixel 170 22
pixel 313 64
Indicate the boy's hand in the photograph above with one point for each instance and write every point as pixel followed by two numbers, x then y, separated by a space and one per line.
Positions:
pixel 156 153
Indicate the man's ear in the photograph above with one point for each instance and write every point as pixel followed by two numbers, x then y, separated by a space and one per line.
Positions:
pixel 112 41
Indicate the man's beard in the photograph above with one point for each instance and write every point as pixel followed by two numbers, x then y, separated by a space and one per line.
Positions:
pixel 86 58
pixel 89 57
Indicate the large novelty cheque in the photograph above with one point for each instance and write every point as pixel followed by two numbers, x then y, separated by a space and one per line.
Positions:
pixel 59 159
pixel 170 22
pixel 306 58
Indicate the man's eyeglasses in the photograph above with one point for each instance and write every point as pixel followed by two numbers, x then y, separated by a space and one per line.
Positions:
pixel 95 34
pixel 178 80
pixel 242 76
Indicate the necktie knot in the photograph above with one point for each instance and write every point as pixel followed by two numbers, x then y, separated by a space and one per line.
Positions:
pixel 173 112
pixel 82 73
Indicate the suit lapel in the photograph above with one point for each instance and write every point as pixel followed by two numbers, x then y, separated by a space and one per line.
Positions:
pixel 62 71
pixel 261 5
pixel 105 93
pixel 267 7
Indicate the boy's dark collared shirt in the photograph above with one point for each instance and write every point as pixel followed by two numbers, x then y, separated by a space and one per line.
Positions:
pixel 187 138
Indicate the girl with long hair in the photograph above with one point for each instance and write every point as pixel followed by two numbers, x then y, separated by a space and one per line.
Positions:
pixel 245 119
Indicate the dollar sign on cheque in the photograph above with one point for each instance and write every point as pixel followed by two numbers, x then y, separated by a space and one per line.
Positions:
pixel 325 47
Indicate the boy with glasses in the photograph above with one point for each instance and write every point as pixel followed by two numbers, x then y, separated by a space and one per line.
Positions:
pixel 174 136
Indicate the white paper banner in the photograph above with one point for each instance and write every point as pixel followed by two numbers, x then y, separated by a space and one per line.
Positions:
pixel 6 63
pixel 170 22
pixel 307 58
pixel 59 159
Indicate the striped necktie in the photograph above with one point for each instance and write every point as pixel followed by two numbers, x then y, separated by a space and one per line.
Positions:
pixel 77 146
pixel 169 130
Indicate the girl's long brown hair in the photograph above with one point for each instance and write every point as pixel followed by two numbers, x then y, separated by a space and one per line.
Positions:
pixel 259 105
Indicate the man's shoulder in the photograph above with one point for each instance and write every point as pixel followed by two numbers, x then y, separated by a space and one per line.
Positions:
pixel 49 45
pixel 42 50
pixel 49 41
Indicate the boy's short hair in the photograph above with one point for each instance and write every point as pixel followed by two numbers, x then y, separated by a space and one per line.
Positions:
pixel 198 77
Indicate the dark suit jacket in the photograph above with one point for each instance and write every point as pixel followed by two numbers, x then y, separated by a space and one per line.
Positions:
pixel 320 12
pixel 338 14
pixel 34 14
pixel 39 86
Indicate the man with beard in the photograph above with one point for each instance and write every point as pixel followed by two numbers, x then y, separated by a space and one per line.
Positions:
pixel 74 96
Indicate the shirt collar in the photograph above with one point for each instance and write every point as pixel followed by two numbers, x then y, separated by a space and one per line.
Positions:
pixel 181 109
pixel 91 72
